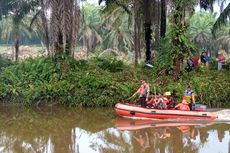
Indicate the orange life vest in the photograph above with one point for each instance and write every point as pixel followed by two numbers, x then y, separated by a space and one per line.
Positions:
pixel 184 107
pixel 166 101
pixel 143 91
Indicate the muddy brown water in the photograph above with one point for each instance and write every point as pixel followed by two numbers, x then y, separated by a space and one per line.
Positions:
pixel 65 130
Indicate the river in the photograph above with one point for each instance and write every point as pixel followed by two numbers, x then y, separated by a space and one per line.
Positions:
pixel 74 130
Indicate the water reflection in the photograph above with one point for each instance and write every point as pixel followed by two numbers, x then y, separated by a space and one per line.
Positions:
pixel 62 130
pixel 176 136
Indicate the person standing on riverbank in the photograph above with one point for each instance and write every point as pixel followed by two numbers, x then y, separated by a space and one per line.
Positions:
pixel 221 58
pixel 205 59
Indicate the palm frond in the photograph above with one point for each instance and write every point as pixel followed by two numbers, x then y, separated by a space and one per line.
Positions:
pixel 223 18
pixel 118 3
pixel 35 17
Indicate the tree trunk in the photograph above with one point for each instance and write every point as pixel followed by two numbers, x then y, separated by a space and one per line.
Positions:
pixel 45 27
pixel 211 5
pixel 16 45
pixel 70 24
pixel 65 19
pixel 163 19
pixel 16 40
pixel 156 21
pixel 176 68
pixel 136 37
pixel 179 22
pixel 147 28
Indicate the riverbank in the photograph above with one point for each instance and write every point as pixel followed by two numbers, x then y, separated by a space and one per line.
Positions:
pixel 100 82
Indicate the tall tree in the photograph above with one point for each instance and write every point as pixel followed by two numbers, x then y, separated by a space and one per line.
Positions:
pixel 65 19
pixel 147 28
pixel 42 26
pixel 117 23
pixel 163 18
pixel 146 6
pixel 221 20
pixel 180 43
pixel 90 30
pixel 200 30
pixel 18 10
pixel 136 31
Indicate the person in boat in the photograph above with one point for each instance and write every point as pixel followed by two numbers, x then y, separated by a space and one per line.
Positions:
pixel 188 100
pixel 160 102
pixel 184 105
pixel 152 102
pixel 168 100
pixel 156 101
pixel 143 92
pixel 189 96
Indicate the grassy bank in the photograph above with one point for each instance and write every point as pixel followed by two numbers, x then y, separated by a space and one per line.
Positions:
pixel 99 82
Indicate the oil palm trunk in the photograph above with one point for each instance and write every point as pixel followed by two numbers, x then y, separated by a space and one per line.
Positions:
pixel 163 19
pixel 147 28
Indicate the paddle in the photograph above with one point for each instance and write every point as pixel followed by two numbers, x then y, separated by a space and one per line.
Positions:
pixel 130 97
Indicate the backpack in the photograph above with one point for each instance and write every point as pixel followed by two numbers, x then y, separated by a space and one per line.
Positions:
pixel 190 65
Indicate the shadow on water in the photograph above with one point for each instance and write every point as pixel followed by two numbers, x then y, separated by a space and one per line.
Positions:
pixel 66 130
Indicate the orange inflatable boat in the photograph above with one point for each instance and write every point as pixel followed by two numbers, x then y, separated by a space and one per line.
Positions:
pixel 138 112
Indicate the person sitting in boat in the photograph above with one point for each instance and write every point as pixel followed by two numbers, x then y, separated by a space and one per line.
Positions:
pixel 160 102
pixel 184 105
pixel 156 101
pixel 189 96
pixel 188 100
pixel 168 100
pixel 143 92
pixel 152 102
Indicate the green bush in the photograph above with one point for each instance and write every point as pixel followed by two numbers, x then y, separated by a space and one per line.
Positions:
pixel 110 64
pixel 212 87
pixel 91 83
pixel 4 62
pixel 69 82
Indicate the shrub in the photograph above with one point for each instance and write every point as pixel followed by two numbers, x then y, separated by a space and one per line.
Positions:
pixel 4 62
pixel 97 83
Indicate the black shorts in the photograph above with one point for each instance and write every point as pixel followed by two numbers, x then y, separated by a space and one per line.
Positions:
pixel 142 101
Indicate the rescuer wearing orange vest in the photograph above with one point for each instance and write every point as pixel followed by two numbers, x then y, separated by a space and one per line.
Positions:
pixel 168 100
pixel 143 92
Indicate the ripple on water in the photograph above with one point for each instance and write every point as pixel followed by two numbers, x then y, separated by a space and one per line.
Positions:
pixel 224 114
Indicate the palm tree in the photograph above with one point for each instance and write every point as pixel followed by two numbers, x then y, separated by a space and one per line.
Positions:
pixel 91 26
pixel 65 19
pixel 137 30
pixel 221 20
pixel 117 25
pixel 41 26
pixel 223 38
pixel 5 29
pixel 18 10
pixel 15 31
pixel 163 18
pixel 180 43
pixel 146 7
pixel 200 29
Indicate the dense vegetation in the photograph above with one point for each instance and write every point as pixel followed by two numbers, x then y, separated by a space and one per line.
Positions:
pixel 100 82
